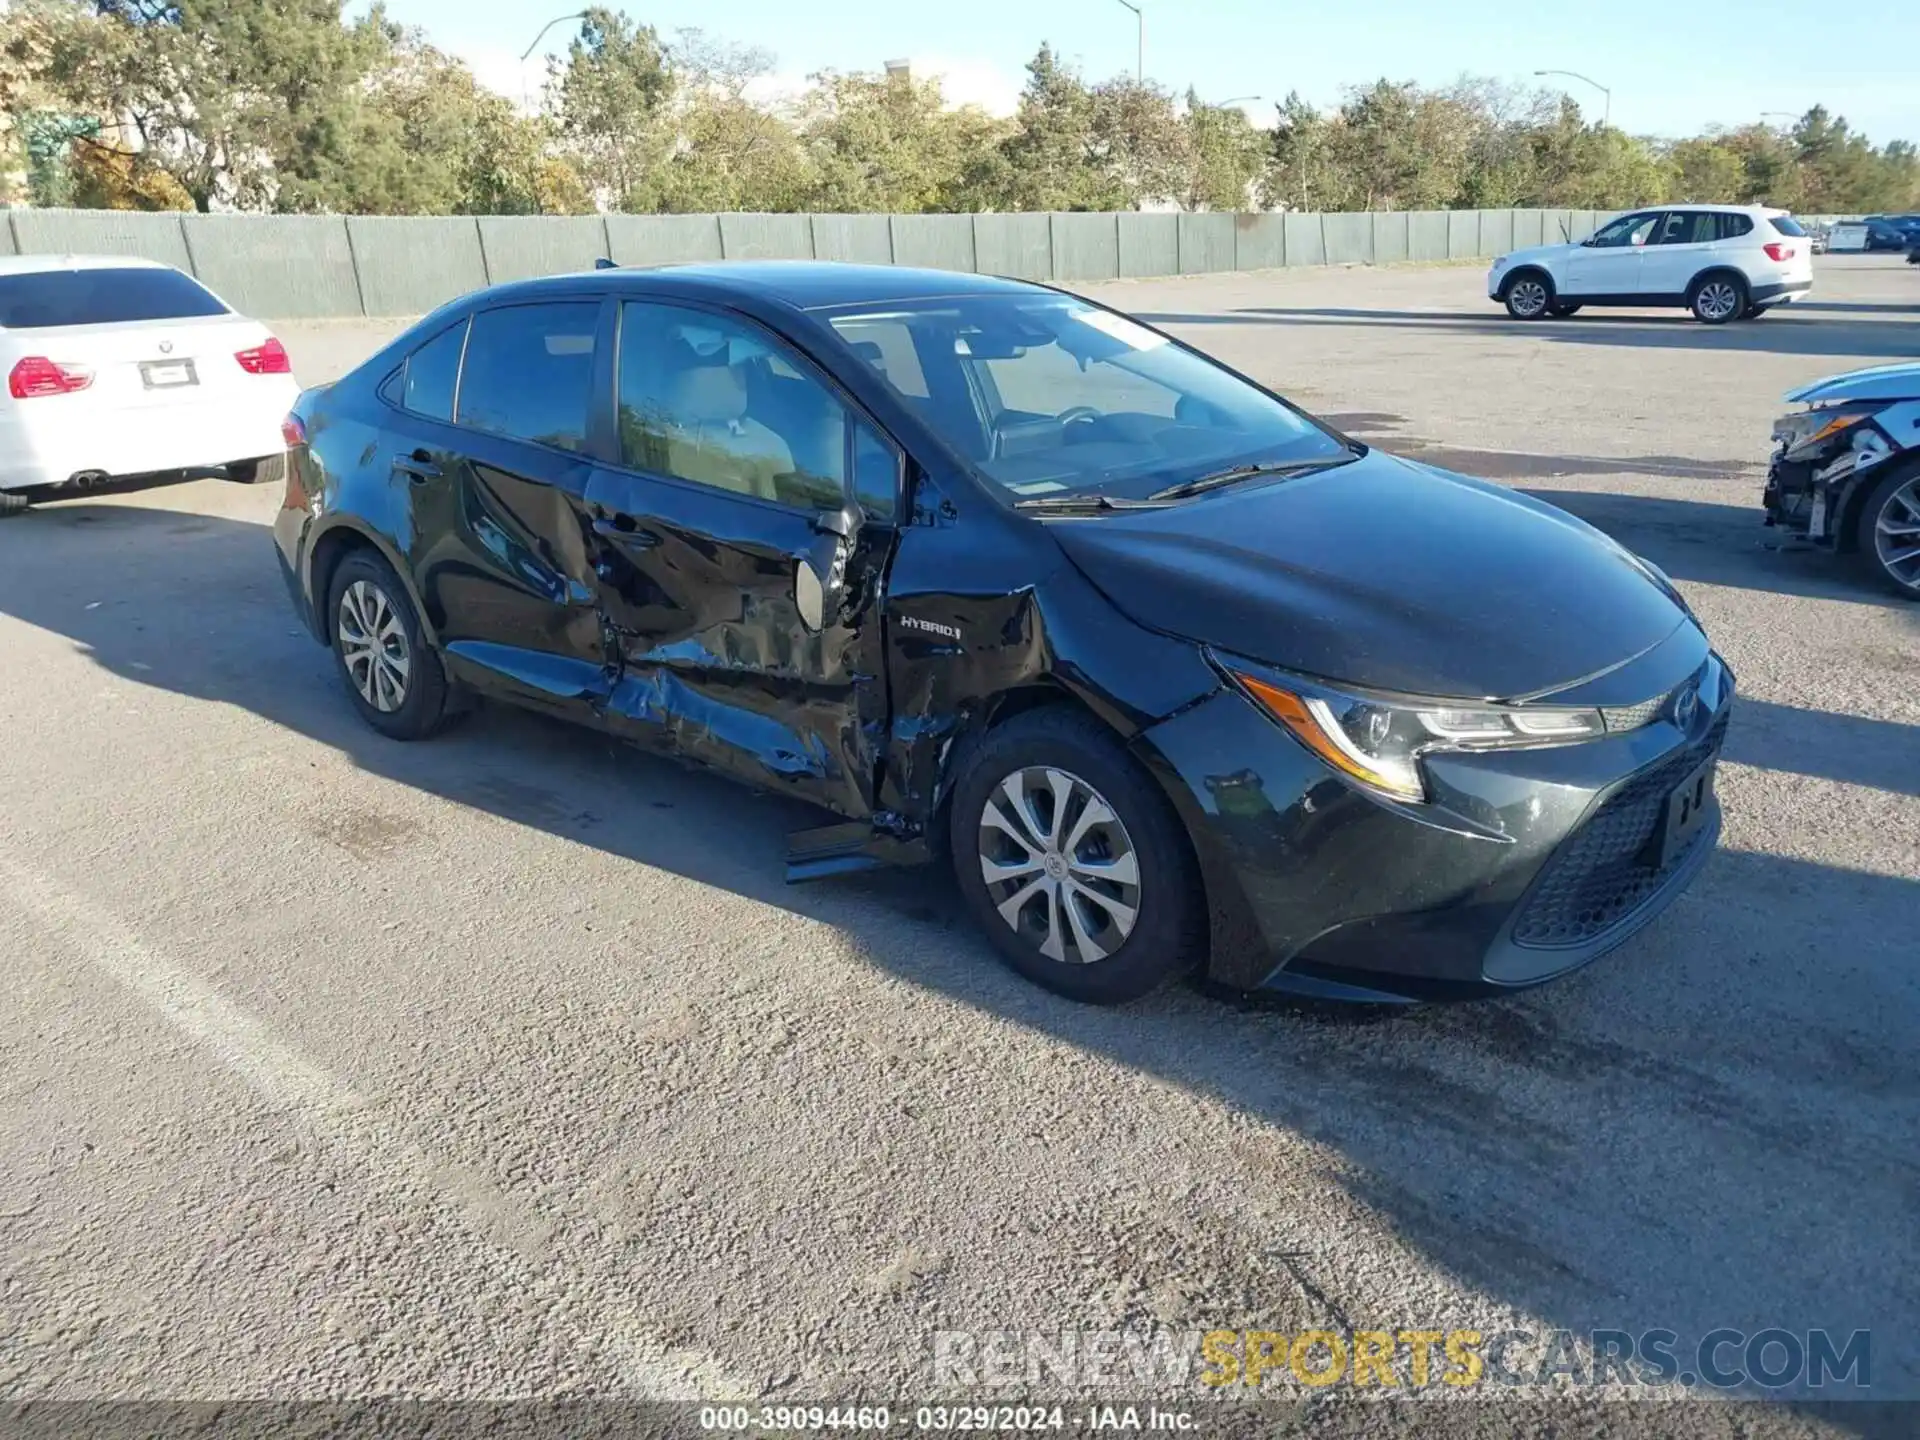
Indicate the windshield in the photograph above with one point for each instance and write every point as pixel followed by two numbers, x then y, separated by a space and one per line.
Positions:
pixel 1047 395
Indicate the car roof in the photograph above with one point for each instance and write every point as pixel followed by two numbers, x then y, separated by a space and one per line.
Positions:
pixel 798 284
pixel 1717 209
pixel 40 264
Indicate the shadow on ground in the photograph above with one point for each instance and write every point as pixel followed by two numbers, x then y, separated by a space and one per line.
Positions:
pixel 1725 1057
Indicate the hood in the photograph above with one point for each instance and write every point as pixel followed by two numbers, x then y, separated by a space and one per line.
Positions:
pixel 1382 574
pixel 1877 382
pixel 1534 253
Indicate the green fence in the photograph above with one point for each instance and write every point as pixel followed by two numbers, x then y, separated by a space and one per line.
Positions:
pixel 288 266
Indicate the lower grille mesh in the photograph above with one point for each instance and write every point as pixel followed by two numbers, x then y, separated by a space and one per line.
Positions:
pixel 1605 870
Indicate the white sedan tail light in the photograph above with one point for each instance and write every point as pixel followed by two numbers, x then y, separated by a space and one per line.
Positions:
pixel 267 359
pixel 35 376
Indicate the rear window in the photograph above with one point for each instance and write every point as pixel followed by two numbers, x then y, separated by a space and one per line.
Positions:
pixel 1785 224
pixel 43 299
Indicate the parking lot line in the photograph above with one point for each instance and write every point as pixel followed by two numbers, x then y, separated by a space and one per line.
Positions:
pixel 505 1234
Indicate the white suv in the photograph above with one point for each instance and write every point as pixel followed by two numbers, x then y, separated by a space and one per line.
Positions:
pixel 1722 262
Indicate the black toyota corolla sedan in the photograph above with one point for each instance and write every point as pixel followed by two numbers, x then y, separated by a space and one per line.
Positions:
pixel 1174 675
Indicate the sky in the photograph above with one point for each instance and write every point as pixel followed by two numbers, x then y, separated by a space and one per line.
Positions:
pixel 1672 70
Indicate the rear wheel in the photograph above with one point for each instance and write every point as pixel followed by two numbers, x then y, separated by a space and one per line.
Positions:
pixel 1889 532
pixel 1560 309
pixel 1754 312
pixel 1716 299
pixel 393 676
pixel 1527 295
pixel 13 502
pixel 1072 860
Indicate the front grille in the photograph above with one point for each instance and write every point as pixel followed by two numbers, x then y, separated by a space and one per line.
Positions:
pixel 1632 717
pixel 1608 867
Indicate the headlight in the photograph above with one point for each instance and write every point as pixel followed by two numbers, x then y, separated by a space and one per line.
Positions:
pixel 1812 429
pixel 1379 742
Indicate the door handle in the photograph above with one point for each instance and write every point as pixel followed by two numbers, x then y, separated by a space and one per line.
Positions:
pixel 623 529
pixel 418 467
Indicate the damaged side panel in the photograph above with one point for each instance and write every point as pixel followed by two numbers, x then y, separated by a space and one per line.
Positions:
pixel 990 615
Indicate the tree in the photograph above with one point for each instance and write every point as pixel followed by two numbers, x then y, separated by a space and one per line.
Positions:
pixel 429 139
pixel 1707 170
pixel 1302 174
pixel 1225 157
pixel 1049 164
pixel 610 93
pixel 244 102
pixel 1138 143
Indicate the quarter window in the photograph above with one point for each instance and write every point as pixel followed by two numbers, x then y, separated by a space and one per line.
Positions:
pixel 529 372
pixel 718 402
pixel 428 378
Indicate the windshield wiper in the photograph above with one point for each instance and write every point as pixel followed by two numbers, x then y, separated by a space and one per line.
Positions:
pixel 1084 504
pixel 1248 472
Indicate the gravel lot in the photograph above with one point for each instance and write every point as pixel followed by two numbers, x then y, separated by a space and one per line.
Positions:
pixel 508 1065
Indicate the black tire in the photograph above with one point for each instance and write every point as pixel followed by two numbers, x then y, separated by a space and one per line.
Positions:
pixel 1561 309
pixel 1754 312
pixel 1168 931
pixel 1717 297
pixel 1527 294
pixel 424 706
pixel 13 502
pixel 268 470
pixel 1904 481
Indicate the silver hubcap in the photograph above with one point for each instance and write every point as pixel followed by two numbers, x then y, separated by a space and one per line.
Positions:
pixel 373 646
pixel 1059 865
pixel 1896 534
pixel 1529 297
pixel 1718 299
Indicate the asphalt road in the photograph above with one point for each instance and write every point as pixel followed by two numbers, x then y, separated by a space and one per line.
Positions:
pixel 508 1065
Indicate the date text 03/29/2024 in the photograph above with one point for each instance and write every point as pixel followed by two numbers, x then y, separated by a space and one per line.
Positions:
pixel 962 1419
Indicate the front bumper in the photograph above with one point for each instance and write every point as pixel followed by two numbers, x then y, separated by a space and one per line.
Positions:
pixel 1525 865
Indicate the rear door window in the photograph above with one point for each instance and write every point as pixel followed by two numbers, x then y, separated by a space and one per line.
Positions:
pixel 105 295
pixel 528 372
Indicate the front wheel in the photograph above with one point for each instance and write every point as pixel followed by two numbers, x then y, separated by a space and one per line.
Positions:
pixel 393 676
pixel 1528 295
pixel 1072 860
pixel 1718 299
pixel 1889 533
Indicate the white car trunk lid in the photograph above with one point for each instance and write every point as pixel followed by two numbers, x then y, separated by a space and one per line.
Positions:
pixel 148 363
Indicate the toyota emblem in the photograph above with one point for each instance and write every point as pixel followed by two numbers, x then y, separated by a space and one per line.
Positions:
pixel 1686 705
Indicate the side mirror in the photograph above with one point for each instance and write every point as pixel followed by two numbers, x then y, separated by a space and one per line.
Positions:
pixel 820 575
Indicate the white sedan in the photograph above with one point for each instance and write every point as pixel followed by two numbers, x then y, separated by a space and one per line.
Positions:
pixel 119 367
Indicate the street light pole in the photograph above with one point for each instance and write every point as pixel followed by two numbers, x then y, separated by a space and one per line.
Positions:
pixel 1140 41
pixel 525 104
pixel 1606 113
